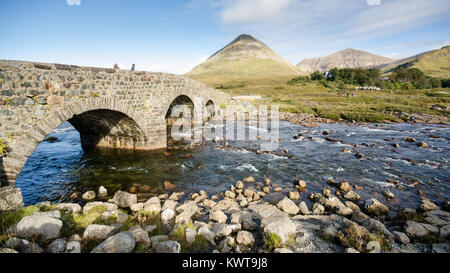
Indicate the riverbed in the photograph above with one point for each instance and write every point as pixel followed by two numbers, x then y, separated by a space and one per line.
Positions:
pixel 59 168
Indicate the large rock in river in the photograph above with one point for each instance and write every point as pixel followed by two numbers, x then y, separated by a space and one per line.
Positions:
pixel 288 206
pixel 124 199
pixel 373 207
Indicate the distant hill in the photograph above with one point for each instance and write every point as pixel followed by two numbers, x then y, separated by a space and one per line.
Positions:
pixel 435 63
pixel 348 58
pixel 244 58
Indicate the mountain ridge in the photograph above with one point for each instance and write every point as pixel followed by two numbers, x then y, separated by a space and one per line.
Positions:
pixel 347 58
pixel 435 63
pixel 245 56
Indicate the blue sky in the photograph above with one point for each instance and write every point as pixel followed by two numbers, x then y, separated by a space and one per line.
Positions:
pixel 175 35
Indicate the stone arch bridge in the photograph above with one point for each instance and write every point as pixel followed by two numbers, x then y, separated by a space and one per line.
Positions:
pixel 110 108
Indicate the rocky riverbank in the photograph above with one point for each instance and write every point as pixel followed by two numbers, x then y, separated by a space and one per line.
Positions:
pixel 252 216
pixel 310 120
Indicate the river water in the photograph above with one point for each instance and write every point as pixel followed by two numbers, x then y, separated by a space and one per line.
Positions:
pixel 57 169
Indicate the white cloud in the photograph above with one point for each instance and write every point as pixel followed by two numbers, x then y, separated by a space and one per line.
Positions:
pixel 73 2
pixel 300 29
pixel 252 11
pixel 373 2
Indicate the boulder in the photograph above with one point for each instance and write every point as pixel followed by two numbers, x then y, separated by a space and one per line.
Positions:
pixel 190 235
pixel 168 186
pixel 245 238
pixel 352 196
pixel 137 207
pixel 303 208
pixel 344 211
pixel 353 235
pixel 218 216
pixel 401 237
pixel 230 194
pixel 227 205
pixel 69 207
pixel 423 145
pixel 91 205
pixel 73 247
pixel 152 208
pixel 279 225
pixel 352 205
pixel 206 233
pixel 427 205
pixel 294 195
pixel 169 204
pixel 119 243
pixel 437 217
pixel 98 232
pixel 167 247
pixel 318 209
pixel 43 225
pixel 88 196
pixel 373 247
pixel 102 192
pixel 261 211
pixel 187 211
pixel 167 215
pixel 139 235
pixel 10 198
pixel 374 207
pixel 221 230
pixel 239 185
pixel 247 221
pixel 345 186
pixel 409 139
pixel 124 199
pixel 57 246
pixel 248 179
pixel 288 206
pixel 415 230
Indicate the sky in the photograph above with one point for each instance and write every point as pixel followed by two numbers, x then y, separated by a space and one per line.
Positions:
pixel 174 35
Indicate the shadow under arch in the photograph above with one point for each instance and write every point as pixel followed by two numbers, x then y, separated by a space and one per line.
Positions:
pixel 174 115
pixel 107 128
pixel 210 111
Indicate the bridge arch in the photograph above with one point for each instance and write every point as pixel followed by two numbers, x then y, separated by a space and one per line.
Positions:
pixel 114 126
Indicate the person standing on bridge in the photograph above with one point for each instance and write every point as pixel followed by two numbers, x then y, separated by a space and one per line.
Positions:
pixel 133 67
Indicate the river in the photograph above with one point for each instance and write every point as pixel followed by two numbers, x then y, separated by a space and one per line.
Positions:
pixel 57 169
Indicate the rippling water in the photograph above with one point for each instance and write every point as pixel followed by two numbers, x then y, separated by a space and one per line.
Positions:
pixel 57 169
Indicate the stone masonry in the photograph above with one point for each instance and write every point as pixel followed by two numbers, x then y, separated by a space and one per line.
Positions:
pixel 110 108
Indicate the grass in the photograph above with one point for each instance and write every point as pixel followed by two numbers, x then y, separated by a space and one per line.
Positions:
pixel 273 241
pixel 433 63
pixel 76 223
pixel 10 218
pixel 332 102
pixel 2 147
pixel 200 243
